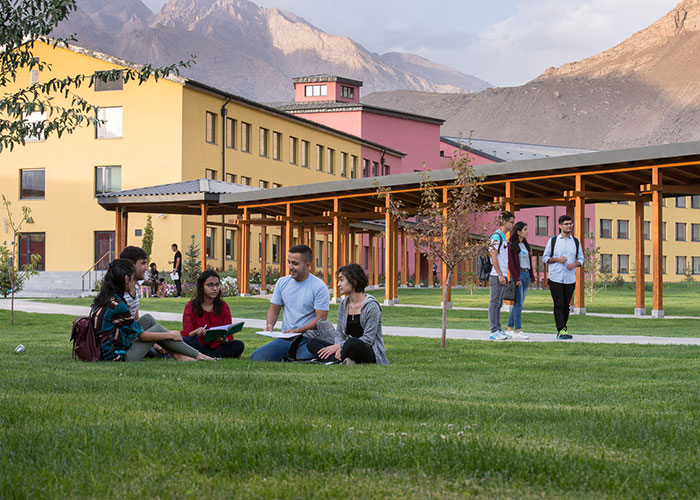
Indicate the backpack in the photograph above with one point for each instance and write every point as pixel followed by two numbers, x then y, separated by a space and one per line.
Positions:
pixel 483 263
pixel 554 242
pixel 83 337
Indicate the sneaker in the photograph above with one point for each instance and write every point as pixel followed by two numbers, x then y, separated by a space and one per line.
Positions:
pixel 508 333
pixel 521 335
pixel 498 336
pixel 562 335
pixel 348 362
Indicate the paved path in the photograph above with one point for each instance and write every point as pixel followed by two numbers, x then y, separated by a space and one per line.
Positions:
pixel 45 308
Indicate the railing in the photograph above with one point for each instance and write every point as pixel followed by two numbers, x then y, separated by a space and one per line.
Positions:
pixel 93 268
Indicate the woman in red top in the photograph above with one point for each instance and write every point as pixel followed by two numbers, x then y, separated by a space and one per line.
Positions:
pixel 208 309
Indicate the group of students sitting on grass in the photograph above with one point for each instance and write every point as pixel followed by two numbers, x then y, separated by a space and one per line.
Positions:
pixel 124 335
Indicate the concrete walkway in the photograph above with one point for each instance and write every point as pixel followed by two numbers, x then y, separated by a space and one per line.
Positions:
pixel 45 308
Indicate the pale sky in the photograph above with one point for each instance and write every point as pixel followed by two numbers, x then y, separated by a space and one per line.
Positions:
pixel 505 42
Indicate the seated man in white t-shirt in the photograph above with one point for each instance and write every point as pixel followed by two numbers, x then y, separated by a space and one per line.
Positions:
pixel 304 299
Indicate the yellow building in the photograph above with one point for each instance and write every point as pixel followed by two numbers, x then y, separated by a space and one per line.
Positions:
pixel 615 233
pixel 156 133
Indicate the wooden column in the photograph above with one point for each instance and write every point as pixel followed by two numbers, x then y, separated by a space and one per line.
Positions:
pixel 580 226
pixel 312 240
pixel 395 263
pixel 336 247
pixel 388 254
pixel 239 261
pixel 639 309
pixel 371 270
pixel 430 272
pixel 375 276
pixel 325 259
pixel 657 242
pixel 244 277
pixel 289 239
pixel 447 286
pixel 118 244
pixel 263 259
pixel 203 212
pixel 404 259
pixel 416 251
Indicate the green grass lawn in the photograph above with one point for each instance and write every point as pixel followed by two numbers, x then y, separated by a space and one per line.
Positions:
pixel 248 307
pixel 479 419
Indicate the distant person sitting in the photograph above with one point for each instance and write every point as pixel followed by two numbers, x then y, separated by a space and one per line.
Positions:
pixel 154 281
pixel 358 335
pixel 119 336
pixel 206 310
pixel 305 300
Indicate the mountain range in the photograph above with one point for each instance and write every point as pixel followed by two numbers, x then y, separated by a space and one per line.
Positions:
pixel 248 50
pixel 644 91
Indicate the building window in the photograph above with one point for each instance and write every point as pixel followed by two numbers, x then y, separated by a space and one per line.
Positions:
pixel 109 124
pixel 230 133
pixel 343 164
pixel 231 178
pixel 276 146
pixel 663 265
pixel 210 174
pixel 623 264
pixel 331 161
pixel 230 247
pixel 275 185
pixel 293 146
pixel 606 228
pixel 108 80
pixel 587 227
pixel 347 92
pixel 33 76
pixel 305 153
pixel 108 179
pixel 319 253
pixel 365 167
pixel 319 157
pixel 211 240
pixel 695 201
pixel 375 169
pixel 353 167
pixel 263 184
pixel 315 90
pixel 245 137
pixel 696 265
pixel 138 232
pixel 31 119
pixel 663 202
pixel 695 232
pixel 210 127
pixel 623 202
pixel 264 138
pixel 275 249
pixel 623 229
pixel 541 225
pixel 680 264
pixel 245 180
pixel 647 264
pixel 32 184
pixel 387 170
pixel 680 201
pixel 680 231
pixel 32 244
pixel 606 262
pixel 647 230
pixel 663 231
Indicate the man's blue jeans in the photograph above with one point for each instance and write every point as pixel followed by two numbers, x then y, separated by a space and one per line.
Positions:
pixel 278 349
pixel 515 318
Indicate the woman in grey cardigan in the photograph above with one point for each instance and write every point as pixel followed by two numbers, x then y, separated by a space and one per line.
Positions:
pixel 358 335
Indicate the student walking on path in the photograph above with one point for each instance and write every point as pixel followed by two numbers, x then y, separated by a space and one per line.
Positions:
pixel 499 271
pixel 563 254
pixel 520 267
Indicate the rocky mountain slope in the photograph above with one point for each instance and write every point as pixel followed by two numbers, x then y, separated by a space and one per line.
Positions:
pixel 643 91
pixel 248 50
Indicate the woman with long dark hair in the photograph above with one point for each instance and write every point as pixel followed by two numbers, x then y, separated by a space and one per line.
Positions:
pixel 520 267
pixel 119 335
pixel 358 333
pixel 208 309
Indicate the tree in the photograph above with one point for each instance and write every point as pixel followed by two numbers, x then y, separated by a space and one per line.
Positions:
pixel 595 276
pixel 147 240
pixel 192 264
pixel 16 275
pixel 450 222
pixel 62 111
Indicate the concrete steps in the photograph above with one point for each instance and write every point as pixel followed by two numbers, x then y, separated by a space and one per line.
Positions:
pixel 59 284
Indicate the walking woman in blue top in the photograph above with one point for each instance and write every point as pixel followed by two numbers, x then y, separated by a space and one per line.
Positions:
pixel 119 335
pixel 520 267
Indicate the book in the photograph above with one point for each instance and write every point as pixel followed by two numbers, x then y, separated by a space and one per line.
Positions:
pixel 216 332
pixel 278 335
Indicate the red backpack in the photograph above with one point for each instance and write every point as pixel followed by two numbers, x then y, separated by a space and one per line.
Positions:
pixel 83 337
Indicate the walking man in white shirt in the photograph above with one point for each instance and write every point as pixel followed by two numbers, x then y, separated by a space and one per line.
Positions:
pixel 498 278
pixel 563 254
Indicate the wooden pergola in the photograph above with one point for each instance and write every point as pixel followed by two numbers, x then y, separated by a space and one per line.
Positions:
pixel 342 210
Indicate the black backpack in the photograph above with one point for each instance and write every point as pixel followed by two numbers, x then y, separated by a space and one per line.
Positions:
pixel 84 341
pixel 554 242
pixel 483 263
